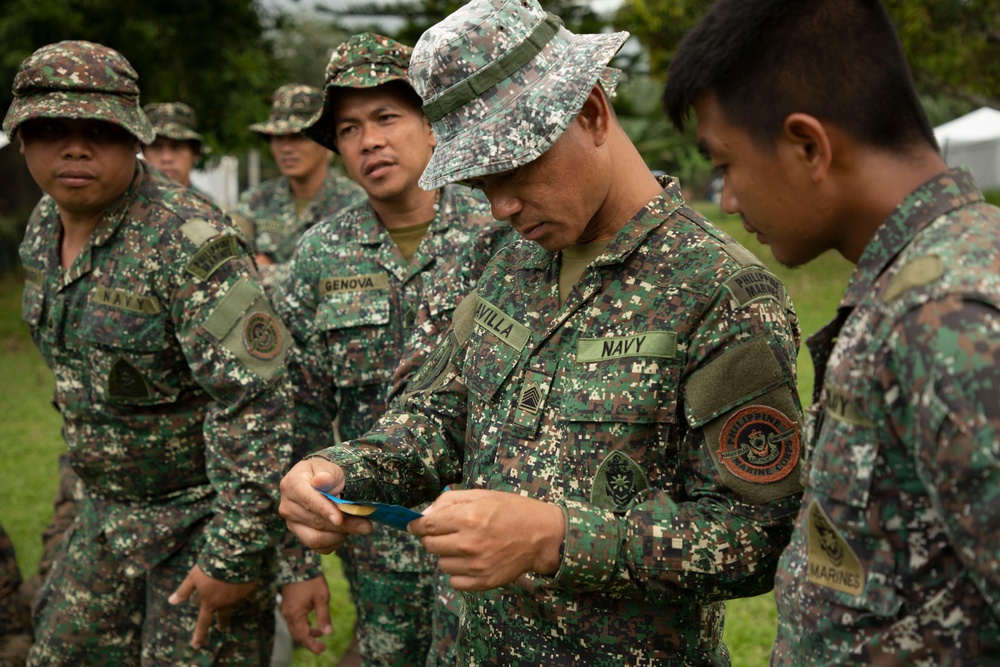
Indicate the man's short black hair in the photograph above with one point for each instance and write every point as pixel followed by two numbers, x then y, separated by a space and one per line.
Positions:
pixel 838 60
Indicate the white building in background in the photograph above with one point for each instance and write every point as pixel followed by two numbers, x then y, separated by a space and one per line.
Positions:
pixel 221 182
pixel 973 140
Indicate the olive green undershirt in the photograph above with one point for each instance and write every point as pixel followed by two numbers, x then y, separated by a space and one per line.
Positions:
pixel 301 203
pixel 575 260
pixel 408 238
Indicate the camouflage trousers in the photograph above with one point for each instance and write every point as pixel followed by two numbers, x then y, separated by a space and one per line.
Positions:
pixel 15 615
pixel 89 613
pixel 394 608
pixel 444 629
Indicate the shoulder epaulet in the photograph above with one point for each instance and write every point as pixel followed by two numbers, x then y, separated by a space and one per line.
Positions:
pixel 915 273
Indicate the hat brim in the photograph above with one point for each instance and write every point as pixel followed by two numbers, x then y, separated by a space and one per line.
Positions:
pixel 320 128
pixel 177 132
pixel 510 137
pixel 279 127
pixel 88 105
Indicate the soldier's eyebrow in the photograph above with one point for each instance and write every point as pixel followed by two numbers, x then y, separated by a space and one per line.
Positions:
pixel 703 149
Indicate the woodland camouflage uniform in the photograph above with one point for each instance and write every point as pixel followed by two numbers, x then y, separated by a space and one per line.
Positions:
pixel 351 302
pixel 894 557
pixel 169 374
pixel 657 406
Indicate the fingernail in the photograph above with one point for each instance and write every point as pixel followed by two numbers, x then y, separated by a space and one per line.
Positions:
pixel 174 599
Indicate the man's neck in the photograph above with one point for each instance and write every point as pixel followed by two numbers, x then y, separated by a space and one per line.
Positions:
pixel 307 186
pixel 878 185
pixel 76 232
pixel 414 207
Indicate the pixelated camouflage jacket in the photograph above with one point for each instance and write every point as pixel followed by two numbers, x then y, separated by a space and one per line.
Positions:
pixel 350 302
pixel 455 281
pixel 894 556
pixel 674 344
pixel 169 374
pixel 270 207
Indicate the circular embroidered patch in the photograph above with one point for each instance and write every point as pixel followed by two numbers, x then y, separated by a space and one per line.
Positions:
pixel 262 336
pixel 759 444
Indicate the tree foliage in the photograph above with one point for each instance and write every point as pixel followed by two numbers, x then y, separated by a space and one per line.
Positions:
pixel 953 46
pixel 418 15
pixel 216 55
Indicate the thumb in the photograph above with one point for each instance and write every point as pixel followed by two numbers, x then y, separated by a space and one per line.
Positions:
pixel 323 481
pixel 449 498
pixel 183 591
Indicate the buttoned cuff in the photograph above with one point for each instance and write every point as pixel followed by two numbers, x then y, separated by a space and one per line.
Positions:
pixel 591 548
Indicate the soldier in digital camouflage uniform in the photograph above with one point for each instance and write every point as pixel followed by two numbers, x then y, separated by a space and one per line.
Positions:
pixel 174 151
pixel 15 611
pixel 354 287
pixel 618 395
pixel 894 556
pixel 169 374
pixel 281 209
pixel 176 147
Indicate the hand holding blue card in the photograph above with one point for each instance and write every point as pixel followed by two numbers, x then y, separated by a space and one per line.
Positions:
pixel 391 515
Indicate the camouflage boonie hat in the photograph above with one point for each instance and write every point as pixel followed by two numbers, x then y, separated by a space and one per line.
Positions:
pixel 365 60
pixel 501 80
pixel 292 108
pixel 81 80
pixel 174 120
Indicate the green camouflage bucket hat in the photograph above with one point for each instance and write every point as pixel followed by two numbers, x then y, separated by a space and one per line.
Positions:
pixel 77 79
pixel 174 120
pixel 292 108
pixel 501 80
pixel 365 60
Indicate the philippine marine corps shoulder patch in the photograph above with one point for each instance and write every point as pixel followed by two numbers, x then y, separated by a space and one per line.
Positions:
pixel 213 255
pixel 759 444
pixel 262 336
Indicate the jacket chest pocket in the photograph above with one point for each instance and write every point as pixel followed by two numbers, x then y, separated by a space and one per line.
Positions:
pixel 129 357
pixel 356 331
pixel 631 389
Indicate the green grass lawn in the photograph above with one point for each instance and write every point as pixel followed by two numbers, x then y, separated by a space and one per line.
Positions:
pixel 31 443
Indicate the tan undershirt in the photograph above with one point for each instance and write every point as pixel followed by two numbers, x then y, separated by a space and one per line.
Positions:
pixel 301 203
pixel 575 260
pixel 408 238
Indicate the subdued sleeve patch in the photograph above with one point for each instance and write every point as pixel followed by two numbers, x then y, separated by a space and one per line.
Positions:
pixel 745 406
pixel 915 273
pixel 244 323
pixel 755 284
pixel 212 255
pixel 436 365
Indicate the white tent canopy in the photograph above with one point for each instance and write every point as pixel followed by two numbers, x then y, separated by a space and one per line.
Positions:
pixel 973 140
